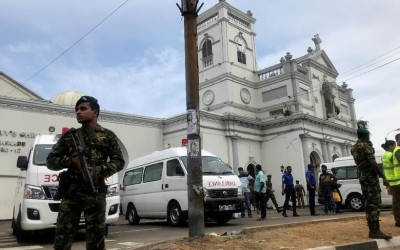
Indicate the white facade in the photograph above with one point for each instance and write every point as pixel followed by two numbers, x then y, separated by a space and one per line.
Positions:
pixel 275 116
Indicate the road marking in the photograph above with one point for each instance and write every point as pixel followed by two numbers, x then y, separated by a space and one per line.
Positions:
pixel 132 231
pixel 131 244
pixel 23 248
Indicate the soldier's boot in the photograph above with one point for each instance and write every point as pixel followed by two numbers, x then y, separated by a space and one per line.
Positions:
pixel 375 232
pixel 284 213
pixel 279 210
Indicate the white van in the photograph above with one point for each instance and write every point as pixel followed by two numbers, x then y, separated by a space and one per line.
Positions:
pixel 351 188
pixel 155 187
pixel 34 207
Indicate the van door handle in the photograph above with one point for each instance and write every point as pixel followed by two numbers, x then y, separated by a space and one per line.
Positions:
pixel 166 186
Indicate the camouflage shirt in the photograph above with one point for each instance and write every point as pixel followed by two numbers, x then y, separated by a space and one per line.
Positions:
pixel 100 147
pixel 362 152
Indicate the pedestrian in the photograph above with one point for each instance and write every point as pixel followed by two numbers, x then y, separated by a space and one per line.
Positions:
pixel 368 172
pixel 326 181
pixel 289 191
pixel 260 188
pixel 300 193
pixel 104 158
pixel 394 179
pixel 336 188
pixel 270 194
pixel 245 180
pixel 311 187
pixel 251 170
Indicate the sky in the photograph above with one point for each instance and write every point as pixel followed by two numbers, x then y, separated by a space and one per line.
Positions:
pixel 129 54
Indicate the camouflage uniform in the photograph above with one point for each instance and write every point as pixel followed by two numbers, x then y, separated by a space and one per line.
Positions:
pixel 270 194
pixel 369 180
pixel 100 145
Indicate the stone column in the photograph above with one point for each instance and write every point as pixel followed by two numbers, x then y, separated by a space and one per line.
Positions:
pixel 344 150
pixel 304 146
pixel 235 155
pixel 324 150
pixel 328 146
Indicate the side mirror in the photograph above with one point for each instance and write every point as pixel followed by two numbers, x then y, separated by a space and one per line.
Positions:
pixel 22 162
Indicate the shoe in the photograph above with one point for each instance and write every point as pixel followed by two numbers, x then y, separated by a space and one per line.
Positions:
pixel 296 215
pixel 279 210
pixel 284 214
pixel 260 219
pixel 314 214
pixel 250 216
pixel 397 224
pixel 258 211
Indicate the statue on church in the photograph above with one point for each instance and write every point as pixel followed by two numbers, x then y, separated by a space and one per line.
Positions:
pixel 329 91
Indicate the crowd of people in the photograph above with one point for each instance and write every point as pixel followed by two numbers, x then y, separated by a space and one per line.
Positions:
pixel 257 189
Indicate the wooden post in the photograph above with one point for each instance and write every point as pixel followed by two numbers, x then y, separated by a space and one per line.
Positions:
pixel 189 11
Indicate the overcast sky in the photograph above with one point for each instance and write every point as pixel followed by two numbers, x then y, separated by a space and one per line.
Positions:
pixel 133 62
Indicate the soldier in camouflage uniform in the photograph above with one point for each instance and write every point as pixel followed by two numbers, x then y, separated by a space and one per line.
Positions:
pixel 368 175
pixel 271 195
pixel 104 156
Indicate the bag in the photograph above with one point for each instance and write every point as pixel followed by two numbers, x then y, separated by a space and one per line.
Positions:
pixel 336 196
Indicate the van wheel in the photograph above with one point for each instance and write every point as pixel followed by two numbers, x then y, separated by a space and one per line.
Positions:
pixel 356 202
pixel 175 216
pixel 222 219
pixel 132 215
pixel 22 235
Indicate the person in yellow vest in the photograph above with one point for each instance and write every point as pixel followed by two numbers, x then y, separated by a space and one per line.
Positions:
pixel 395 188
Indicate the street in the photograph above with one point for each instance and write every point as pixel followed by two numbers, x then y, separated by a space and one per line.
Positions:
pixel 125 236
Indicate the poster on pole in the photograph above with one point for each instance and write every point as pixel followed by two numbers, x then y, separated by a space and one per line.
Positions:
pixel 193 148
pixel 192 122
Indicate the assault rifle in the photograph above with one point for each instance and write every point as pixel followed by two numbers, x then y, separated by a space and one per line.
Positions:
pixel 85 170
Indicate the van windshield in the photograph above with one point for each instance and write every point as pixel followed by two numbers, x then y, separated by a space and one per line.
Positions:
pixel 40 154
pixel 211 166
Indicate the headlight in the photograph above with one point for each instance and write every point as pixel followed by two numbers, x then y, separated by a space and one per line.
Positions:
pixel 34 192
pixel 112 190
pixel 240 191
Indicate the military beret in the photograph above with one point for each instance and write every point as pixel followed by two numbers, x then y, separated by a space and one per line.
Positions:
pixel 86 98
pixel 363 131
pixel 269 175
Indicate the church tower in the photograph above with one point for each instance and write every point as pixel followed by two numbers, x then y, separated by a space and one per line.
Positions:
pixel 227 58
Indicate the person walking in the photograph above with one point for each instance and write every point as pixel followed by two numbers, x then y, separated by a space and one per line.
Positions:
pixel 104 157
pixel 245 179
pixel 326 181
pixel 311 186
pixel 300 193
pixel 289 191
pixel 270 194
pixel 260 188
pixel 336 188
pixel 393 179
pixel 368 174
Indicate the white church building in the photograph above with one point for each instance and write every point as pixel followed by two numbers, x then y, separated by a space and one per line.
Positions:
pixel 291 113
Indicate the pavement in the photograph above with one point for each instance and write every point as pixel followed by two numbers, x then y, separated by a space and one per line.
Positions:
pixel 5 228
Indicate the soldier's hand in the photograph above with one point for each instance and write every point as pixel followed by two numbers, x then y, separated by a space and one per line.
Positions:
pixel 385 182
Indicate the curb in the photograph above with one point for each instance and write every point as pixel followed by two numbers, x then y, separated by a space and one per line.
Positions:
pixel 370 245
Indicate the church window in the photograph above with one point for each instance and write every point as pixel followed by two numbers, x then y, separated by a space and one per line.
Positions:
pixel 207 54
pixel 241 57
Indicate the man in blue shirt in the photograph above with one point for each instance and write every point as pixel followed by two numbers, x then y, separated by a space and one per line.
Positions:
pixel 260 189
pixel 311 184
pixel 288 189
pixel 245 180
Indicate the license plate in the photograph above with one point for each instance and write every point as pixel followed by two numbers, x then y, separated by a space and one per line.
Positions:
pixel 226 207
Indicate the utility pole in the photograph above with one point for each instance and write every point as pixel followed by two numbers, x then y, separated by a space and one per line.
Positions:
pixel 189 11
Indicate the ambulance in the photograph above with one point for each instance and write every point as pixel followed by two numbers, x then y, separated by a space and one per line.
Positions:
pixel 155 187
pixel 34 206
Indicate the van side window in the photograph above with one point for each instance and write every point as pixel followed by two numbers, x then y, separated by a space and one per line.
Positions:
pixel 352 172
pixel 174 168
pixel 133 177
pixel 153 172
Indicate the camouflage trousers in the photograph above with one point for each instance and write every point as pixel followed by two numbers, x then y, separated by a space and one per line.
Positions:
pixel 69 215
pixel 271 195
pixel 396 202
pixel 372 197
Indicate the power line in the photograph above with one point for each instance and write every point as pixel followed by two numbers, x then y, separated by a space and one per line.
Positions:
pixel 75 43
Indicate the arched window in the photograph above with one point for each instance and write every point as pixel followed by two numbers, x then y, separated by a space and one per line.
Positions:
pixel 206 50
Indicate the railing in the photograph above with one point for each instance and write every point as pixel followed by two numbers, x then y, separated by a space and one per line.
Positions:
pixel 264 75
pixel 207 61
pixel 207 21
